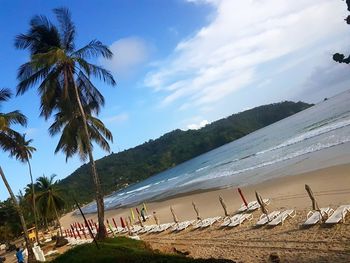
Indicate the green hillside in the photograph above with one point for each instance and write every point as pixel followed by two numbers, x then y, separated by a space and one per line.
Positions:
pixel 124 168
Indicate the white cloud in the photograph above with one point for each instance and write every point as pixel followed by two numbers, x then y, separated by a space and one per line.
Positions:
pixel 227 54
pixel 196 126
pixel 128 54
pixel 119 118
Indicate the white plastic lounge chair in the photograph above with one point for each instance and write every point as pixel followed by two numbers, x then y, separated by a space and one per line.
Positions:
pixel 229 220
pixel 135 229
pixel 210 221
pixel 147 229
pixel 160 228
pixel 338 215
pixel 265 219
pixel 313 217
pixel 282 217
pixel 253 205
pixel 183 225
pixel 207 222
pixel 239 220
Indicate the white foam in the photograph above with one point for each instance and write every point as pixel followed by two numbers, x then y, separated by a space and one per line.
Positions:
pixel 310 134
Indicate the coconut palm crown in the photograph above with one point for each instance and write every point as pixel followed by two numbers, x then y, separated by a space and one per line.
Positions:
pixel 56 66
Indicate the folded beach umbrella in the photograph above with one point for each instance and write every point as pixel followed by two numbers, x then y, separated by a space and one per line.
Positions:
pixel 141 222
pixel 313 200
pixel 242 196
pixel 115 224
pixel 262 205
pixel 223 205
pixel 156 219
pixel 196 210
pixel 132 214
pixel 78 233
pixel 137 210
pixel 122 222
pixel 144 207
pixel 176 220
pixel 130 221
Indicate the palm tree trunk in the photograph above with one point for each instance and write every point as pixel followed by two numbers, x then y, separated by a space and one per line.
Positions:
pixel 58 220
pixel 102 232
pixel 34 206
pixel 31 257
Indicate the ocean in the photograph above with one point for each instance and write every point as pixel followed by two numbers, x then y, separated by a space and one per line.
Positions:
pixel 322 130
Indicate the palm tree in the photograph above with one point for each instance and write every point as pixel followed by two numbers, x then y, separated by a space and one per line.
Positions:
pixel 49 198
pixel 63 73
pixel 8 142
pixel 69 123
pixel 24 154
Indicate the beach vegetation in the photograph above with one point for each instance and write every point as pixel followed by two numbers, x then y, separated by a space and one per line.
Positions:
pixel 9 143
pixel 49 198
pixel 124 250
pixel 62 74
pixel 24 154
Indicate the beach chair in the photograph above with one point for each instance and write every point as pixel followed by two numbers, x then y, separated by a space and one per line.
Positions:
pixel 338 215
pixel 253 205
pixel 313 217
pixel 282 217
pixel 208 222
pixel 160 228
pixel 183 225
pixel 147 229
pixel 229 220
pixel 135 229
pixel 240 219
pixel 265 219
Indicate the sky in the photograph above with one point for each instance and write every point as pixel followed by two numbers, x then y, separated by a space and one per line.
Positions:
pixel 180 64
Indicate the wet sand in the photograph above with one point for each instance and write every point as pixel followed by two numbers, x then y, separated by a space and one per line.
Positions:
pixel 331 187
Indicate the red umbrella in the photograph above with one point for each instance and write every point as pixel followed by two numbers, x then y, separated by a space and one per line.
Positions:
pixel 74 234
pixel 242 196
pixel 137 210
pixel 115 224
pixel 84 233
pixel 122 222
pixel 78 234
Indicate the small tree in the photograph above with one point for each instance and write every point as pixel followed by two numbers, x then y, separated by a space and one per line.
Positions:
pixel 8 142
pixel 24 154
pixel 49 198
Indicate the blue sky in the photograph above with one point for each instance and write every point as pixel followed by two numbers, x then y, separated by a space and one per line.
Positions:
pixel 181 64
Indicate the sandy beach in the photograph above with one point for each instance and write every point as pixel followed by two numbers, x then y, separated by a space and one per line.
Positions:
pixel 331 186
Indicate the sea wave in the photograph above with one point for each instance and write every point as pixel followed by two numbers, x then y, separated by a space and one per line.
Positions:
pixel 310 149
pixel 308 135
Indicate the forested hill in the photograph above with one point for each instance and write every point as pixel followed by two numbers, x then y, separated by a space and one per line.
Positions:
pixel 121 169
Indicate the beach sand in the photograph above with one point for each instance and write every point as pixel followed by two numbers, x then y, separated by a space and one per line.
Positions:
pixel 331 187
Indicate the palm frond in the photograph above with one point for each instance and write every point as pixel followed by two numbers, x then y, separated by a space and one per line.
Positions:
pixel 67 28
pixel 41 36
pixel 5 94
pixel 93 50
pixel 97 72
pixel 28 76
pixel 11 118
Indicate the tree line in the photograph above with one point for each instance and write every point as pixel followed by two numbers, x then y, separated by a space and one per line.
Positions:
pixel 119 170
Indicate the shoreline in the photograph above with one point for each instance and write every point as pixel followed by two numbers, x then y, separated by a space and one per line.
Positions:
pixel 328 184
